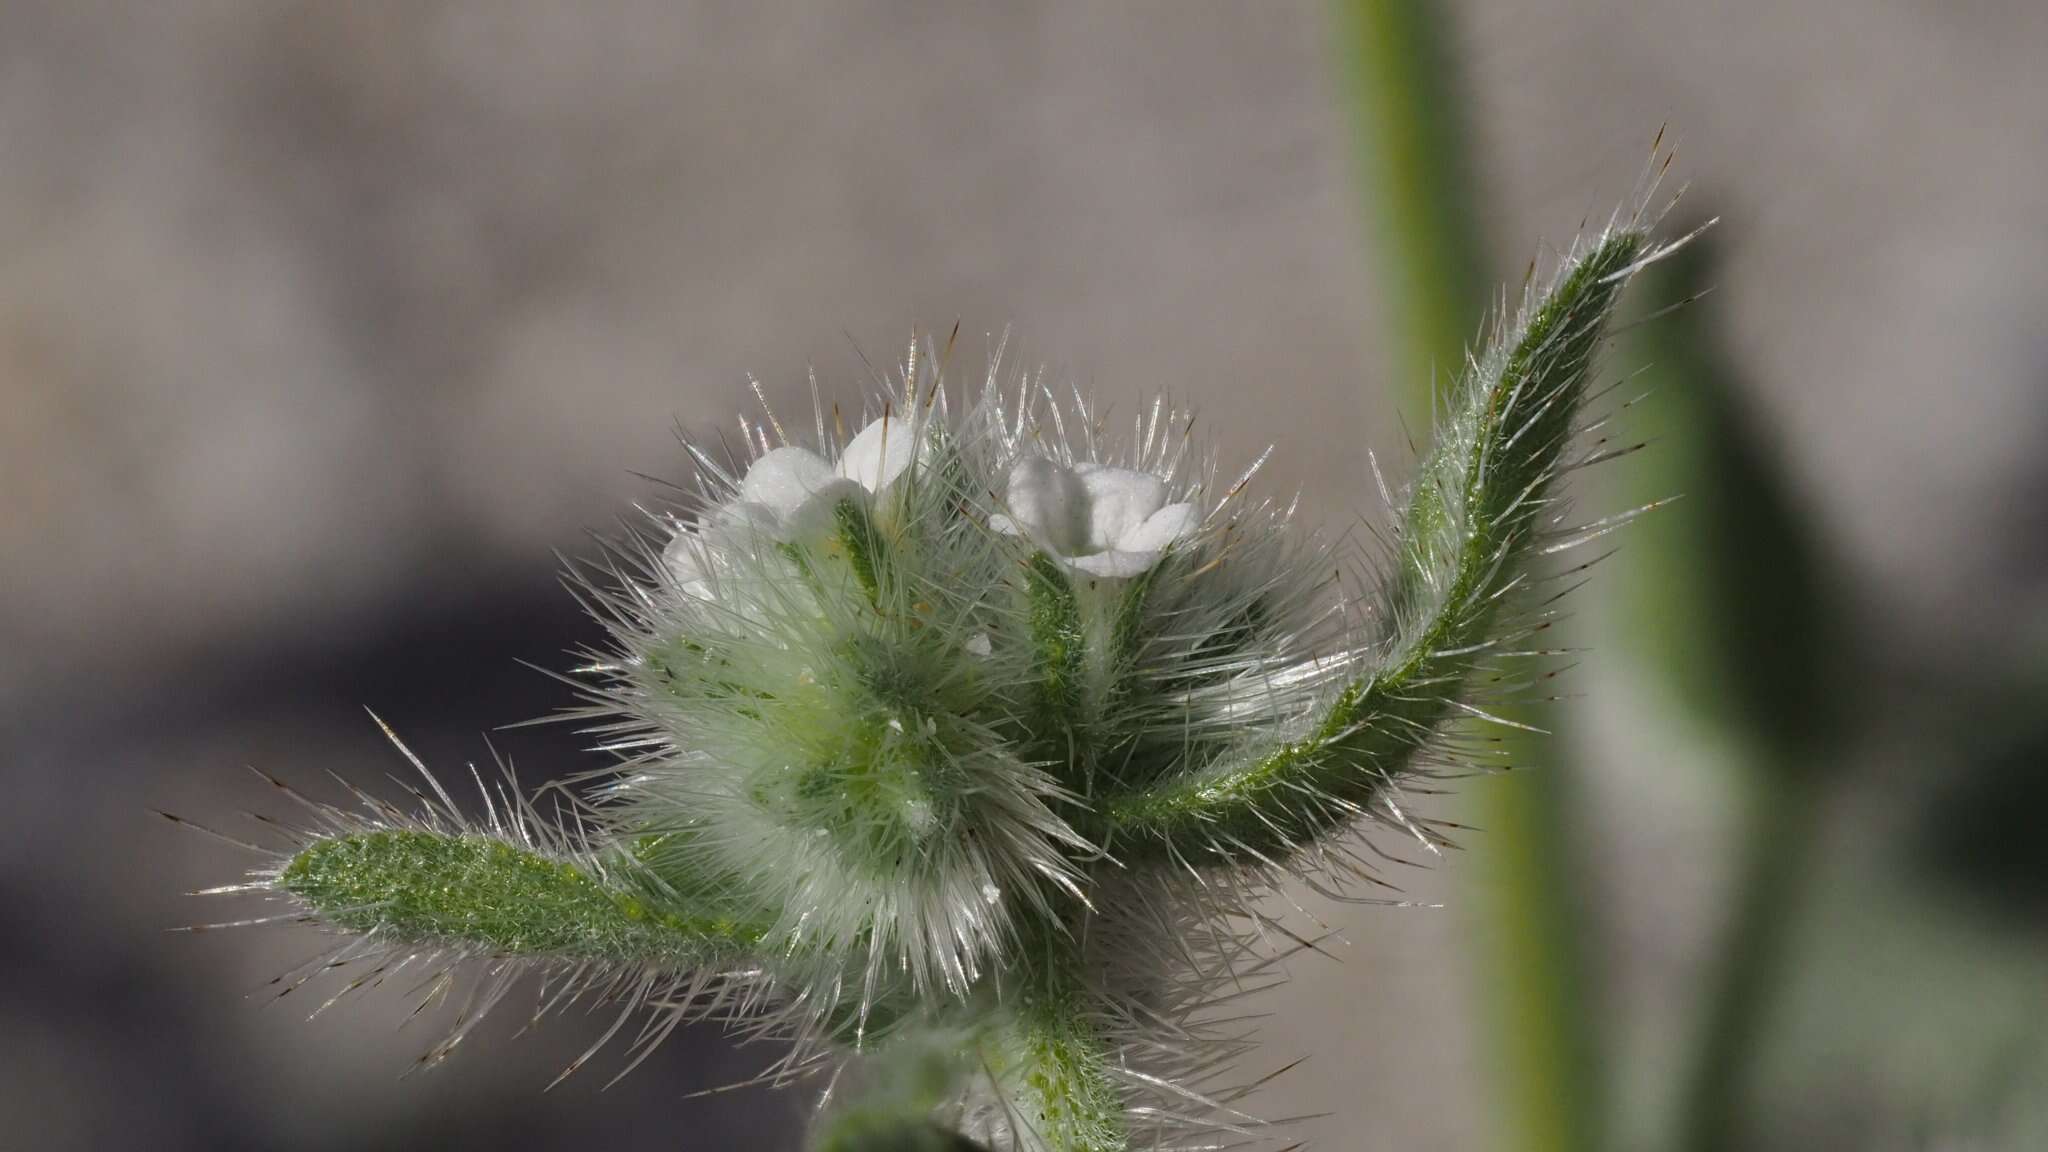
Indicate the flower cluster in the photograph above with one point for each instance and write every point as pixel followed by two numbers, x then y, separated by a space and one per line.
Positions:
pixel 957 752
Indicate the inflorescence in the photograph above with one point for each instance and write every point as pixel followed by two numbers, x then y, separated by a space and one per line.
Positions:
pixel 959 751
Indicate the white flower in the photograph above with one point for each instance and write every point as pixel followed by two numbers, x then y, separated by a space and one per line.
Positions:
pixel 880 453
pixel 789 494
pixel 1111 522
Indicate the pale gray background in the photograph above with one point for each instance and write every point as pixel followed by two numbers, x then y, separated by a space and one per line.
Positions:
pixel 322 324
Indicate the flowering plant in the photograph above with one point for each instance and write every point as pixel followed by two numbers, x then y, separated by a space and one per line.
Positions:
pixel 958 751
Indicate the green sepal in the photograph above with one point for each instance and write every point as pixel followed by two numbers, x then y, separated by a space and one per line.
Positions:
pixel 862 546
pixel 1059 639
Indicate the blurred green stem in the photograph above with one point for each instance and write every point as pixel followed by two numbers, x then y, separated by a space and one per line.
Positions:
pixel 1777 846
pixel 1406 102
pixel 1532 965
pixel 1406 108
pixel 1727 606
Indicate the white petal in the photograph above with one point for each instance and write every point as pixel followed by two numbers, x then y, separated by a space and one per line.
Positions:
pixel 742 527
pixel 748 524
pixel 1119 500
pixel 1051 504
pixel 813 519
pixel 784 478
pixel 979 645
pixel 741 520
pixel 880 453
pixel 689 564
pixel 1115 564
pixel 1162 529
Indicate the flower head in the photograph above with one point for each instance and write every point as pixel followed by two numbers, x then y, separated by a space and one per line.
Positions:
pixel 788 495
pixel 1107 522
pixel 915 761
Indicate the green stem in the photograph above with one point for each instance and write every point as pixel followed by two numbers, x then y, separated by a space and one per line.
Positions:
pixel 1056 1072
pixel 1729 612
pixel 1531 966
pixel 1777 847
pixel 1409 124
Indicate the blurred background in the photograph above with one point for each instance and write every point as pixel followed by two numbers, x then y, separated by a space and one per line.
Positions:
pixel 323 326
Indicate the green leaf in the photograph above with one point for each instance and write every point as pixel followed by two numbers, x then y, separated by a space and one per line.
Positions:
pixel 473 891
pixel 1464 542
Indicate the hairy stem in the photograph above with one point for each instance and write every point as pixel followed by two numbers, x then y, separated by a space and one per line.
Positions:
pixel 1052 1066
